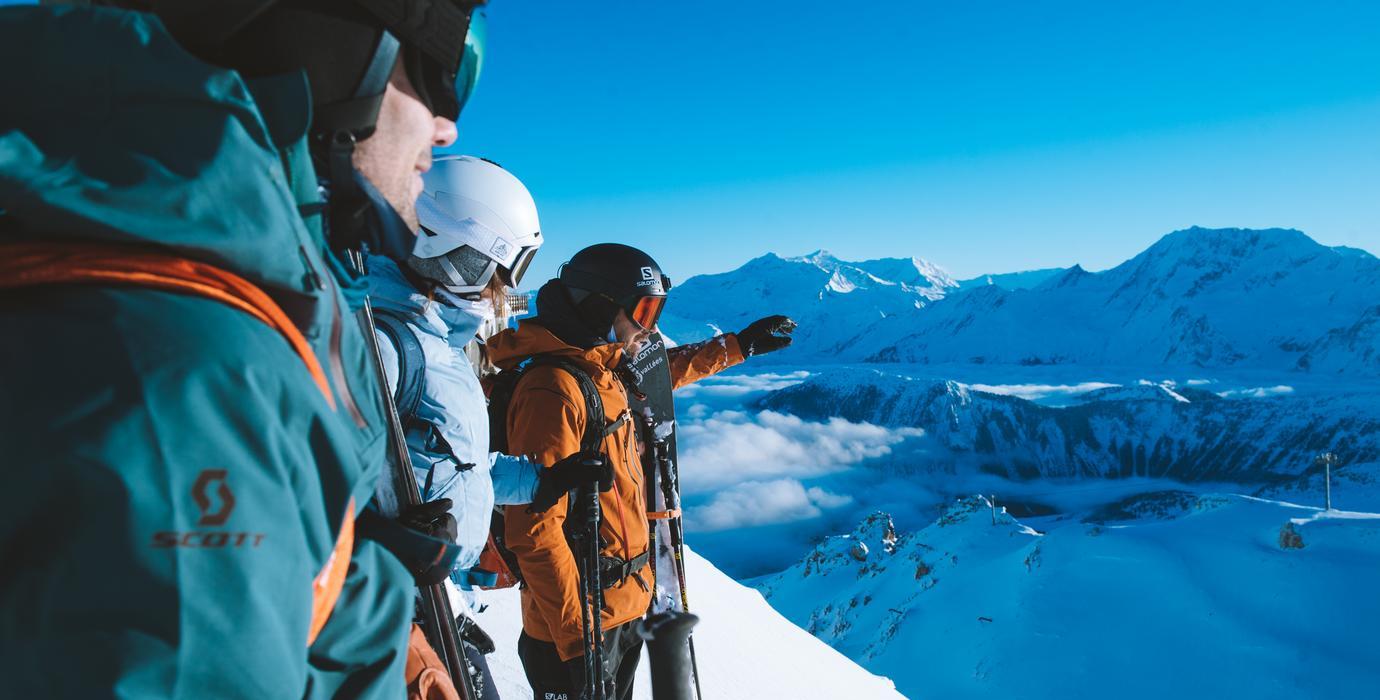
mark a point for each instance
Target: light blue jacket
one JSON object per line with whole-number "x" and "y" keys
{"x": 453, "y": 402}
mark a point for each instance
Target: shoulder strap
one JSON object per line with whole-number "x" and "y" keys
{"x": 596, "y": 426}
{"x": 411, "y": 361}
{"x": 31, "y": 264}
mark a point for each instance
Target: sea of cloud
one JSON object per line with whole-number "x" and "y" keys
{"x": 755, "y": 503}
{"x": 1259, "y": 392}
{"x": 728, "y": 448}
{"x": 1037, "y": 392}
{"x": 739, "y": 385}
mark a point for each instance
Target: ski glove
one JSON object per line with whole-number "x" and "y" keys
{"x": 432, "y": 518}
{"x": 573, "y": 471}
{"x": 766, "y": 335}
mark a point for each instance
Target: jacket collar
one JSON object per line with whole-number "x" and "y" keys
{"x": 512, "y": 347}
{"x": 459, "y": 320}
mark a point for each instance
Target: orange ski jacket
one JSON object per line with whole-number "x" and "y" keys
{"x": 546, "y": 420}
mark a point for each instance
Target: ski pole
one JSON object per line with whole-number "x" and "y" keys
{"x": 438, "y": 620}
{"x": 586, "y": 500}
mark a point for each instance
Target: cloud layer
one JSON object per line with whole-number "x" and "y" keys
{"x": 1035, "y": 392}
{"x": 763, "y": 503}
{"x": 737, "y": 385}
{"x": 1259, "y": 392}
{"x": 732, "y": 447}
{"x": 750, "y": 469}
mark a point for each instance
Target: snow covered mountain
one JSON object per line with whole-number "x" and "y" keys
{"x": 1270, "y": 299}
{"x": 1173, "y": 594}
{"x": 826, "y": 295}
{"x": 1231, "y": 297}
{"x": 1142, "y": 430}
{"x": 745, "y": 649}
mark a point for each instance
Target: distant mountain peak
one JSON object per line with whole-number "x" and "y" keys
{"x": 821, "y": 257}
{"x": 1067, "y": 278}
{"x": 1232, "y": 241}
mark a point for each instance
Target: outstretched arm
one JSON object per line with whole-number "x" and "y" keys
{"x": 693, "y": 362}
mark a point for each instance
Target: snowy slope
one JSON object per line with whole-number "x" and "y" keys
{"x": 746, "y": 650}
{"x": 1142, "y": 430}
{"x": 1171, "y": 595}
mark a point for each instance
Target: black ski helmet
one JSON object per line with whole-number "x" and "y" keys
{"x": 621, "y": 275}
{"x": 347, "y": 48}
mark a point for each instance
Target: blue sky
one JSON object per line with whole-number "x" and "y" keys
{"x": 984, "y": 136}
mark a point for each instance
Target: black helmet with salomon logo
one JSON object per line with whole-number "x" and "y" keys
{"x": 623, "y": 275}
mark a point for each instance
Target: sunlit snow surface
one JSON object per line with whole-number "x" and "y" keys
{"x": 746, "y": 650}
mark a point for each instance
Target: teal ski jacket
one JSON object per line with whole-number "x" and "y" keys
{"x": 175, "y": 482}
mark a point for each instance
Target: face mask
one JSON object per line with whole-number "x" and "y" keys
{"x": 463, "y": 314}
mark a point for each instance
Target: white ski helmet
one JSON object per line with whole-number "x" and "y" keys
{"x": 477, "y": 220}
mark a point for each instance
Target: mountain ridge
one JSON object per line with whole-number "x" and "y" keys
{"x": 1257, "y": 298}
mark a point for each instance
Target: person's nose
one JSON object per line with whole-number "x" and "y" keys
{"x": 443, "y": 132}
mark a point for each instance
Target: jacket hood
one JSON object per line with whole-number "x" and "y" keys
{"x": 513, "y": 346}
{"x": 558, "y": 313}
{"x": 112, "y": 132}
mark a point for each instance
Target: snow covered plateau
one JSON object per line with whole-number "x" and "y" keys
{"x": 1057, "y": 483}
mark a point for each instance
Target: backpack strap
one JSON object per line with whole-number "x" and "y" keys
{"x": 411, "y": 388}
{"x": 411, "y": 362}
{"x": 596, "y": 427}
{"x": 31, "y": 264}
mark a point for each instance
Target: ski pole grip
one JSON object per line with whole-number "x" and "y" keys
{"x": 584, "y": 508}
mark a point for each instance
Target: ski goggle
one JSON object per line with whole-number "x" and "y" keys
{"x": 467, "y": 77}
{"x": 647, "y": 310}
{"x": 520, "y": 264}
{"x": 443, "y": 92}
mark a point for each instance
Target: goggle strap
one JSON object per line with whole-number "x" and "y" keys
{"x": 359, "y": 114}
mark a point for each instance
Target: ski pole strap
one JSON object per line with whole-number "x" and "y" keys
{"x": 468, "y": 579}
{"x": 613, "y": 571}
